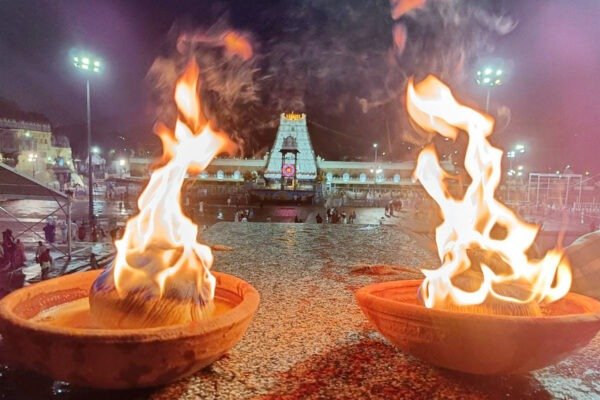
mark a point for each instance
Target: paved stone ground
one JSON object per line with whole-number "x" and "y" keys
{"x": 309, "y": 339}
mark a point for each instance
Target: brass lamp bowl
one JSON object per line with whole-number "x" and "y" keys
{"x": 479, "y": 343}
{"x": 112, "y": 358}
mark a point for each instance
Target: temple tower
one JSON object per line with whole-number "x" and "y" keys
{"x": 292, "y": 158}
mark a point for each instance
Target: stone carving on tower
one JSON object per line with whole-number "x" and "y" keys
{"x": 292, "y": 154}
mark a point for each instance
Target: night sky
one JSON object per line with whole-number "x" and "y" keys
{"x": 335, "y": 60}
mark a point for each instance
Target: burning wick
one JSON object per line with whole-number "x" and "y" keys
{"x": 480, "y": 271}
{"x": 161, "y": 275}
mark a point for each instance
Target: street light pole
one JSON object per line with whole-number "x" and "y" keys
{"x": 90, "y": 164}
{"x": 33, "y": 160}
{"x": 375, "y": 147}
{"x": 89, "y": 65}
{"x": 375, "y": 163}
{"x": 489, "y": 77}
{"x": 510, "y": 155}
{"x": 518, "y": 149}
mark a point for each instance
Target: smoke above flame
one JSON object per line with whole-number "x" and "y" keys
{"x": 468, "y": 222}
{"x": 350, "y": 58}
{"x": 159, "y": 250}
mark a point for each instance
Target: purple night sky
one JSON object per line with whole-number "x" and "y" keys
{"x": 552, "y": 90}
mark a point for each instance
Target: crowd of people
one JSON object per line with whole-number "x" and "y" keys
{"x": 336, "y": 216}
{"x": 393, "y": 206}
{"x": 79, "y": 231}
{"x": 13, "y": 256}
{"x": 243, "y": 215}
{"x": 12, "y": 253}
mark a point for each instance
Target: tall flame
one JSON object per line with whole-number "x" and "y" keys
{"x": 159, "y": 244}
{"x": 468, "y": 222}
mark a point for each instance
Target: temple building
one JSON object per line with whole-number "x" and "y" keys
{"x": 292, "y": 169}
{"x": 32, "y": 149}
{"x": 292, "y": 156}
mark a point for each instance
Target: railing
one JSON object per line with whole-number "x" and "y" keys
{"x": 593, "y": 207}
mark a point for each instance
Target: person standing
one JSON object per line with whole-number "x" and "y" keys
{"x": 9, "y": 253}
{"x": 81, "y": 232}
{"x": 39, "y": 250}
{"x": 74, "y": 229}
{"x": 93, "y": 261}
{"x": 47, "y": 228}
{"x": 19, "y": 257}
{"x": 8, "y": 246}
{"x": 52, "y": 235}
{"x": 46, "y": 263}
{"x": 113, "y": 233}
{"x": 7, "y": 237}
{"x": 62, "y": 226}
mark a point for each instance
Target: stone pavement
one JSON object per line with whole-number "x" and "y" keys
{"x": 309, "y": 339}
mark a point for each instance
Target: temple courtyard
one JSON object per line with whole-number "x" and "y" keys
{"x": 310, "y": 340}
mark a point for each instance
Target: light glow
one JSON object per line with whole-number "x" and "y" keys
{"x": 468, "y": 222}
{"x": 159, "y": 246}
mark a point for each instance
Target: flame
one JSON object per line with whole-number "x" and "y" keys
{"x": 468, "y": 222}
{"x": 159, "y": 244}
{"x": 238, "y": 44}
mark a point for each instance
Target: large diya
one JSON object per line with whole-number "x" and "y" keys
{"x": 48, "y": 328}
{"x": 489, "y": 308}
{"x": 158, "y": 313}
{"x": 475, "y": 342}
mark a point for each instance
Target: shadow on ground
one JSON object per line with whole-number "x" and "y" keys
{"x": 375, "y": 370}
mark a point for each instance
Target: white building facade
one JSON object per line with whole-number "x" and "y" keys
{"x": 32, "y": 149}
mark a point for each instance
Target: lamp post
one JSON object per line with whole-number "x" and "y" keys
{"x": 375, "y": 163}
{"x": 375, "y": 147}
{"x": 511, "y": 154}
{"x": 33, "y": 160}
{"x": 518, "y": 149}
{"x": 90, "y": 65}
{"x": 122, "y": 164}
{"x": 489, "y": 76}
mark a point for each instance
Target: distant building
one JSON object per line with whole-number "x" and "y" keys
{"x": 32, "y": 149}
{"x": 292, "y": 165}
